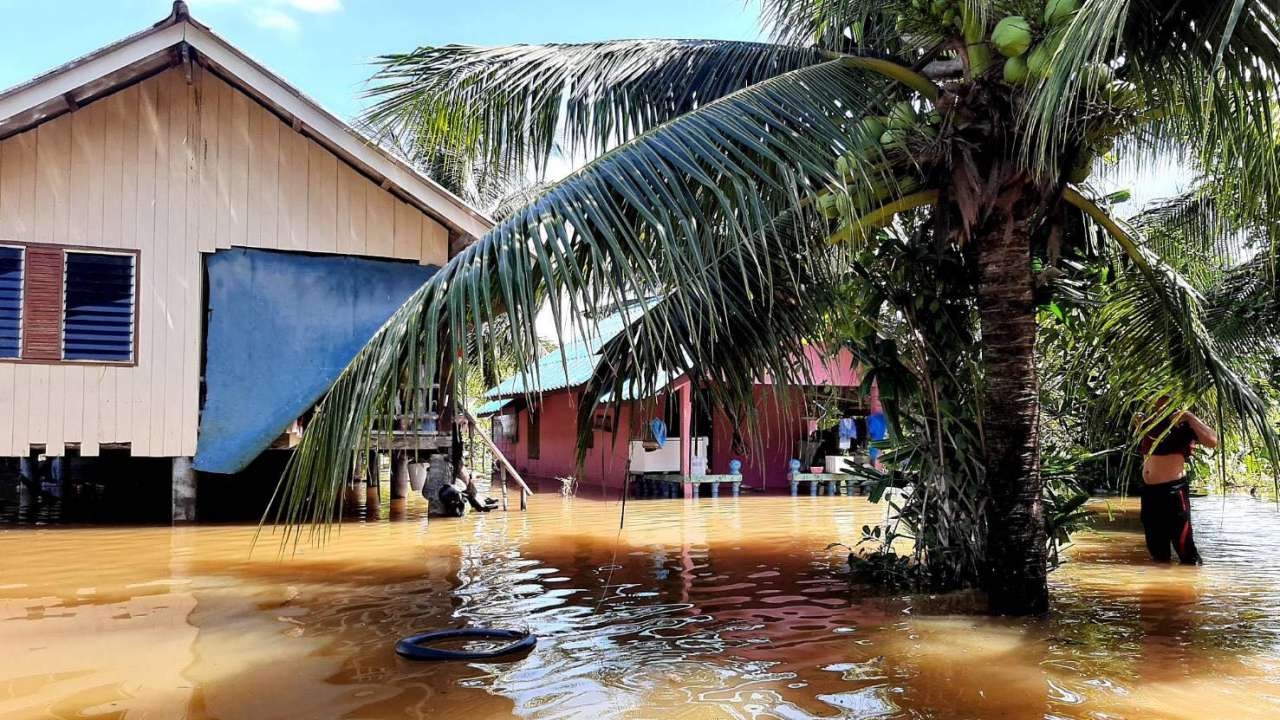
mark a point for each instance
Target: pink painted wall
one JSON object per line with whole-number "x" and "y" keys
{"x": 558, "y": 423}
{"x": 764, "y": 462}
{"x": 838, "y": 370}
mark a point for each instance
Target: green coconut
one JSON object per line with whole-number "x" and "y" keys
{"x": 892, "y": 136}
{"x": 1057, "y": 11}
{"x": 1122, "y": 94}
{"x": 903, "y": 115}
{"x": 870, "y": 129}
{"x": 1012, "y": 36}
{"x": 1038, "y": 61}
{"x": 1015, "y": 70}
{"x": 1096, "y": 76}
{"x": 829, "y": 205}
{"x": 1083, "y": 168}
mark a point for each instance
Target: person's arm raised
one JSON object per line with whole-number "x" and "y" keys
{"x": 1204, "y": 434}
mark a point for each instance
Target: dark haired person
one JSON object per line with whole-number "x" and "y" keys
{"x": 1166, "y": 502}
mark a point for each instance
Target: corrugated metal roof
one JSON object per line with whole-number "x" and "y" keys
{"x": 568, "y": 367}
{"x": 492, "y": 407}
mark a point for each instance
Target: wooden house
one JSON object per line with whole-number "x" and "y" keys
{"x": 191, "y": 250}
{"x": 535, "y": 422}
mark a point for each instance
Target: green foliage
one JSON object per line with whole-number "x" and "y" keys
{"x": 742, "y": 187}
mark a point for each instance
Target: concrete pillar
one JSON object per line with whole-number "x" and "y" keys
{"x": 184, "y": 490}
{"x": 439, "y": 474}
{"x": 399, "y": 475}
{"x": 28, "y": 483}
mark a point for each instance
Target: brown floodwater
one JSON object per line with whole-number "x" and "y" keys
{"x": 714, "y": 608}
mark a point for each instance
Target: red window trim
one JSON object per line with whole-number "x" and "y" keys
{"x": 46, "y": 323}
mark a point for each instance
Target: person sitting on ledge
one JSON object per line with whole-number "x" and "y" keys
{"x": 455, "y": 501}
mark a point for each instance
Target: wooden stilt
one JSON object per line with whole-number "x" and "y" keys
{"x": 502, "y": 478}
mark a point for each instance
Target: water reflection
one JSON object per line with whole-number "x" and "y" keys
{"x": 726, "y": 608}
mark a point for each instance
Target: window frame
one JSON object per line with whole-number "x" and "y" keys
{"x": 533, "y": 434}
{"x": 22, "y": 298}
{"x": 62, "y": 299}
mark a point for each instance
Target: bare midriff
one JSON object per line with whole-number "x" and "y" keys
{"x": 1157, "y": 469}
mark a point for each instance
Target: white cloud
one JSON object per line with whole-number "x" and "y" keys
{"x": 315, "y": 6}
{"x": 277, "y": 15}
{"x": 273, "y": 19}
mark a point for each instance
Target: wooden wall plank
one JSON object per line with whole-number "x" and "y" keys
{"x": 380, "y": 221}
{"x": 292, "y": 192}
{"x": 38, "y": 403}
{"x": 264, "y": 177}
{"x": 178, "y": 285}
{"x": 26, "y": 225}
{"x": 89, "y": 410}
{"x": 238, "y": 171}
{"x": 322, "y": 199}
{"x": 71, "y": 380}
{"x": 435, "y": 243}
{"x": 225, "y": 163}
{"x": 192, "y": 284}
{"x": 112, "y": 168}
{"x": 10, "y": 189}
{"x": 22, "y": 431}
{"x": 8, "y": 448}
{"x": 350, "y": 212}
{"x": 408, "y": 230}
{"x": 207, "y": 98}
{"x": 53, "y": 170}
{"x": 124, "y": 377}
{"x": 149, "y": 301}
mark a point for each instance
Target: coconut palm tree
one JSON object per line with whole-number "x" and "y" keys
{"x": 720, "y": 168}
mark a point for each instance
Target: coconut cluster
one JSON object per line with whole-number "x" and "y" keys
{"x": 1028, "y": 50}
{"x": 943, "y": 14}
{"x": 1015, "y": 39}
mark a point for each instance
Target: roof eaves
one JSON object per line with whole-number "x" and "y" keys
{"x": 59, "y": 90}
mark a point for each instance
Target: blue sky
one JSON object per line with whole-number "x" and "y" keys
{"x": 323, "y": 46}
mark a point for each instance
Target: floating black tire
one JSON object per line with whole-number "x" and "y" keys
{"x": 417, "y": 647}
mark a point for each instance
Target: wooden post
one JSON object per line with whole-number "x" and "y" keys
{"x": 686, "y": 439}
{"x": 502, "y": 478}
{"x": 524, "y": 489}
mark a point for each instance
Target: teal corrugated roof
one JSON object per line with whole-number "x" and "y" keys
{"x": 491, "y": 407}
{"x": 568, "y": 367}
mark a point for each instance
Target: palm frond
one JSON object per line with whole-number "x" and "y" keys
{"x": 676, "y": 213}
{"x": 1203, "y": 75}
{"x": 1156, "y": 337}
{"x": 755, "y": 320}
{"x": 511, "y": 105}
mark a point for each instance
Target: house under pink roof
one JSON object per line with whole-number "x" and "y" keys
{"x": 535, "y": 424}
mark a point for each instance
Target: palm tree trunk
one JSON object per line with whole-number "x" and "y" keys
{"x": 1016, "y": 570}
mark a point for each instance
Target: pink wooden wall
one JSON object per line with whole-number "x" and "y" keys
{"x": 558, "y": 424}
{"x": 764, "y": 462}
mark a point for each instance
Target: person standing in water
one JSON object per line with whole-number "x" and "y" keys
{"x": 1166, "y": 502}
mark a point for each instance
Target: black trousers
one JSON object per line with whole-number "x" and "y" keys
{"x": 1166, "y": 519}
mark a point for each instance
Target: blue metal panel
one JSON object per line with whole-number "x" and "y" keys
{"x": 11, "y": 259}
{"x": 98, "y": 318}
{"x": 282, "y": 326}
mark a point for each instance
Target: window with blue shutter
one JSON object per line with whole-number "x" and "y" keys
{"x": 99, "y": 309}
{"x": 11, "y": 273}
